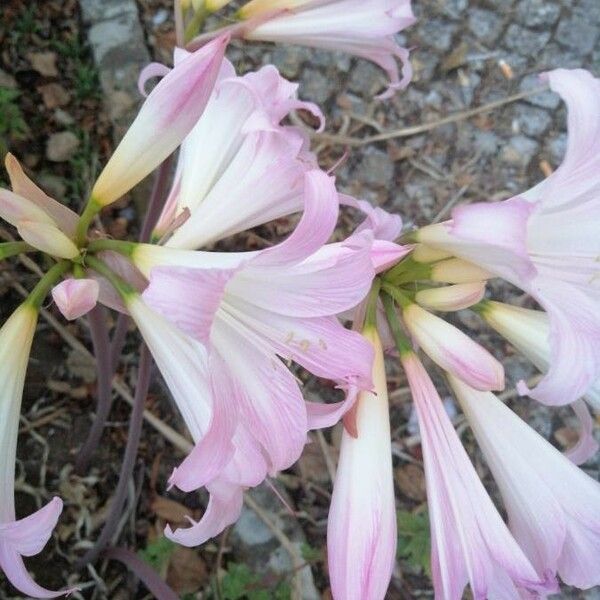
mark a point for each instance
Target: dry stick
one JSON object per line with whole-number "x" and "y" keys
{"x": 423, "y": 127}
{"x": 101, "y": 343}
{"x": 133, "y": 439}
{"x": 144, "y": 571}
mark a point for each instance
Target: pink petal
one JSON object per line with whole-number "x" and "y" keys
{"x": 75, "y": 297}
{"x": 151, "y": 71}
{"x": 384, "y": 225}
{"x": 167, "y": 116}
{"x": 322, "y": 415}
{"x": 224, "y": 508}
{"x": 586, "y": 446}
{"x": 386, "y": 254}
{"x": 15, "y": 209}
{"x": 63, "y": 216}
{"x": 361, "y": 527}
{"x": 470, "y": 542}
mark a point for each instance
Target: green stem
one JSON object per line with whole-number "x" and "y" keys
{"x": 125, "y": 289}
{"x": 120, "y": 246}
{"x": 371, "y": 312}
{"x": 400, "y": 297}
{"x": 193, "y": 27}
{"x": 46, "y": 283}
{"x": 407, "y": 271}
{"x": 8, "y": 249}
{"x": 91, "y": 210}
{"x": 480, "y": 307}
{"x": 402, "y": 342}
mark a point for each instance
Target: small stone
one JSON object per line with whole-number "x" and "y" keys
{"x": 44, "y": 63}
{"x": 60, "y": 147}
{"x": 557, "y": 147}
{"x": 316, "y": 86}
{"x": 524, "y": 41}
{"x": 7, "y": 81}
{"x": 502, "y": 5}
{"x": 532, "y": 121}
{"x": 455, "y": 8}
{"x": 545, "y": 99}
{"x": 577, "y": 34}
{"x": 287, "y": 60}
{"x": 160, "y": 17}
{"x": 485, "y": 25}
{"x": 437, "y": 33}
{"x": 519, "y": 151}
{"x": 62, "y": 117}
{"x": 366, "y": 79}
{"x": 486, "y": 142}
{"x": 537, "y": 13}
{"x": 555, "y": 56}
{"x": 376, "y": 168}
{"x": 54, "y": 95}
{"x": 589, "y": 9}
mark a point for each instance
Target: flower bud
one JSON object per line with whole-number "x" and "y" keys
{"x": 456, "y": 270}
{"x": 75, "y": 297}
{"x": 48, "y": 238}
{"x": 451, "y": 297}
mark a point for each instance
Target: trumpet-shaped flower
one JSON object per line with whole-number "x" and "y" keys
{"x": 29, "y": 535}
{"x": 168, "y": 115}
{"x": 452, "y": 350}
{"x": 470, "y": 541}
{"x": 361, "y": 528}
{"x": 451, "y": 297}
{"x": 248, "y": 150}
{"x": 75, "y": 297}
{"x": 365, "y": 29}
{"x": 546, "y": 241}
{"x": 277, "y": 303}
{"x": 552, "y": 505}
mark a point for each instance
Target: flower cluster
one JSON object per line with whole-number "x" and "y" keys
{"x": 223, "y": 327}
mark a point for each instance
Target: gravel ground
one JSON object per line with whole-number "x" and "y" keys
{"x": 466, "y": 55}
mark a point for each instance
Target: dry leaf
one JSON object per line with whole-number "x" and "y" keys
{"x": 170, "y": 510}
{"x": 54, "y": 95}
{"x": 456, "y": 58}
{"x": 411, "y": 481}
{"x": 187, "y": 571}
{"x": 44, "y": 63}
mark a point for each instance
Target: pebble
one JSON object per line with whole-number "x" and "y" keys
{"x": 486, "y": 25}
{"x": 537, "y": 13}
{"x": 531, "y": 120}
{"x": 546, "y": 99}
{"x": 524, "y": 41}
{"x": 316, "y": 87}
{"x": 60, "y": 147}
{"x": 577, "y": 34}
{"x": 376, "y": 168}
{"x": 436, "y": 33}
{"x": 519, "y": 151}
{"x": 557, "y": 147}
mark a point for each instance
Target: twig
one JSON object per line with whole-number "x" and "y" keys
{"x": 101, "y": 343}
{"x": 423, "y": 127}
{"x": 326, "y": 454}
{"x": 133, "y": 439}
{"x": 297, "y": 562}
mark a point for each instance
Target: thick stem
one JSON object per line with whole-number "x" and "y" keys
{"x": 145, "y": 572}
{"x": 371, "y": 312}
{"x": 101, "y": 343}
{"x": 133, "y": 440}
{"x": 125, "y": 289}
{"x": 117, "y": 342}
{"x": 157, "y": 199}
{"x": 46, "y": 283}
{"x": 91, "y": 210}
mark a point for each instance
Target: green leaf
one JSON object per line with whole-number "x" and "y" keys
{"x": 12, "y": 123}
{"x": 310, "y": 554}
{"x": 414, "y": 540}
{"x": 240, "y": 583}
{"x": 158, "y": 553}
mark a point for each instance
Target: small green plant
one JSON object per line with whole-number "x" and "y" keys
{"x": 26, "y": 23}
{"x": 12, "y": 123}
{"x": 158, "y": 553}
{"x": 414, "y": 540}
{"x": 239, "y": 583}
{"x": 86, "y": 83}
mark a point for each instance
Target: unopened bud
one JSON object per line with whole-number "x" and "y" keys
{"x": 457, "y": 270}
{"x": 451, "y": 297}
{"x": 48, "y": 238}
{"x": 75, "y": 297}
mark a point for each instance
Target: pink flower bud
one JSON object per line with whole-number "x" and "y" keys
{"x": 75, "y": 297}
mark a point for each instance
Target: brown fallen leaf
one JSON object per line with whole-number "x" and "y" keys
{"x": 411, "y": 481}
{"x": 186, "y": 572}
{"x": 54, "y": 95}
{"x": 170, "y": 510}
{"x": 44, "y": 63}
{"x": 456, "y": 58}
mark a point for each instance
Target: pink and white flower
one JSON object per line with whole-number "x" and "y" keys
{"x": 547, "y": 242}
{"x": 552, "y": 505}
{"x": 470, "y": 541}
{"x": 167, "y": 116}
{"x": 361, "y": 528}
{"x": 365, "y": 29}
{"x": 28, "y": 535}
{"x": 248, "y": 150}
{"x": 249, "y": 311}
